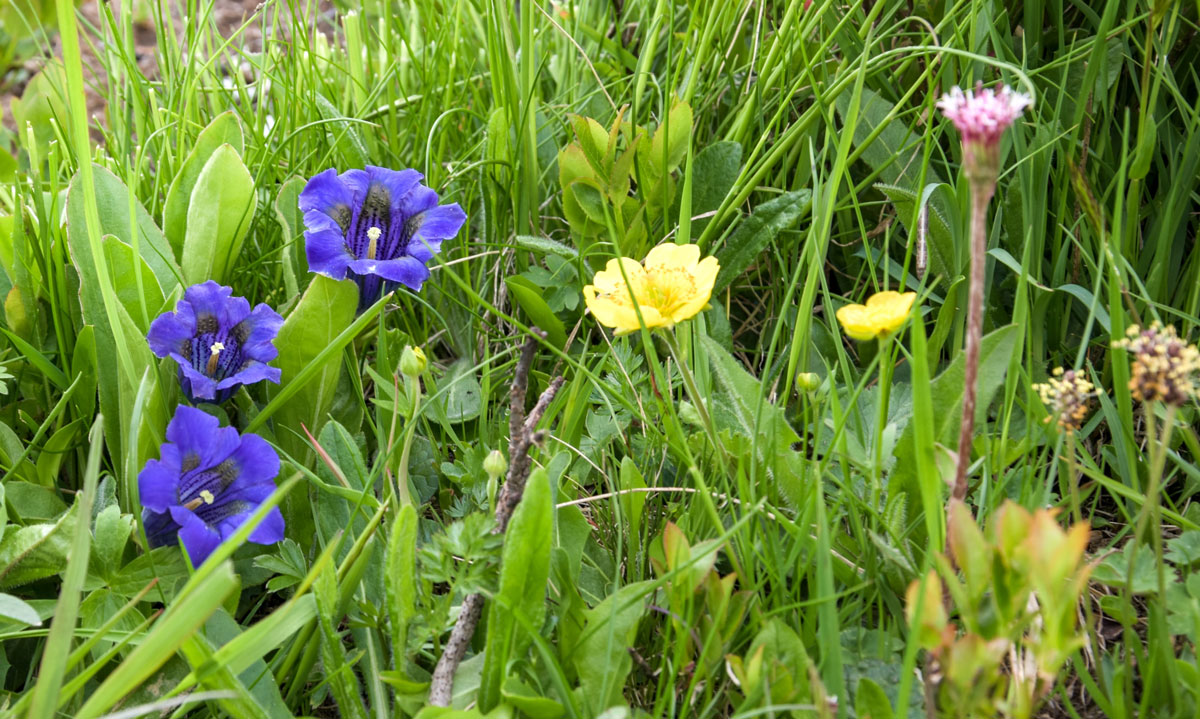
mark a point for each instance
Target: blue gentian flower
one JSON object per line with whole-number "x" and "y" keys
{"x": 377, "y": 225}
{"x": 208, "y": 481}
{"x": 218, "y": 341}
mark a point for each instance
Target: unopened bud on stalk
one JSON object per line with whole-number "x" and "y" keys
{"x": 413, "y": 362}
{"x": 495, "y": 464}
{"x": 807, "y": 382}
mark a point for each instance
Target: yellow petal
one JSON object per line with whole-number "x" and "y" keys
{"x": 673, "y": 256}
{"x": 705, "y": 275}
{"x": 857, "y": 322}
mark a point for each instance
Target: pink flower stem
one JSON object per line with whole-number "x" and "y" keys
{"x": 981, "y": 196}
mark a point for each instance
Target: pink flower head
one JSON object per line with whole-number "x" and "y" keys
{"x": 981, "y": 116}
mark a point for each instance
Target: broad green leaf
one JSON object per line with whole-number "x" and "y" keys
{"x": 945, "y": 401}
{"x": 112, "y": 533}
{"x": 939, "y": 238}
{"x": 602, "y": 659}
{"x": 142, "y": 305}
{"x": 32, "y": 503}
{"x": 219, "y": 214}
{"x": 714, "y": 172}
{"x": 530, "y": 702}
{"x": 529, "y": 297}
{"x": 524, "y": 572}
{"x": 461, "y": 397}
{"x": 112, "y": 198}
{"x": 325, "y": 309}
{"x": 35, "y": 552}
{"x": 16, "y": 610}
{"x": 894, "y": 152}
{"x": 756, "y": 232}
{"x": 546, "y": 246}
{"x": 291, "y": 221}
{"x": 225, "y": 129}
{"x": 750, "y": 415}
{"x": 670, "y": 142}
{"x": 402, "y": 577}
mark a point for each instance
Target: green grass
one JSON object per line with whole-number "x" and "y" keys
{"x": 814, "y": 148}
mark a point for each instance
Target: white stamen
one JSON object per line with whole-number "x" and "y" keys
{"x": 216, "y": 348}
{"x": 374, "y": 233}
{"x": 207, "y": 496}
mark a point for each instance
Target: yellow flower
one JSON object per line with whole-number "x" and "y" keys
{"x": 672, "y": 285}
{"x": 882, "y": 315}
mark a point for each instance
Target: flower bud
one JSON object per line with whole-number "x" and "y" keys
{"x": 412, "y": 361}
{"x": 495, "y": 464}
{"x": 808, "y": 382}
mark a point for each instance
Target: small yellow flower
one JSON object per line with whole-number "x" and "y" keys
{"x": 672, "y": 285}
{"x": 881, "y": 316}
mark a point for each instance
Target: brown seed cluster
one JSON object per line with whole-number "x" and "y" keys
{"x": 1164, "y": 366}
{"x": 1067, "y": 394}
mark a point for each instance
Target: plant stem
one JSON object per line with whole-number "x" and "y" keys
{"x": 981, "y": 195}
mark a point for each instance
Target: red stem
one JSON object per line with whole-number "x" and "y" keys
{"x": 981, "y": 195}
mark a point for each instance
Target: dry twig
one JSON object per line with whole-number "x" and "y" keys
{"x": 522, "y": 438}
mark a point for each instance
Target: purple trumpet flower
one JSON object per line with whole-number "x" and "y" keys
{"x": 206, "y": 484}
{"x": 218, "y": 341}
{"x": 376, "y": 225}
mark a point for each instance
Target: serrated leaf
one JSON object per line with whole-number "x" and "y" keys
{"x": 755, "y": 232}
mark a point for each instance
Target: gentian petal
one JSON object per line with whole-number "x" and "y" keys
{"x": 198, "y": 538}
{"x": 408, "y": 271}
{"x": 432, "y": 226}
{"x": 171, "y": 331}
{"x": 264, "y": 324}
{"x": 158, "y": 485}
{"x": 256, "y": 372}
{"x": 324, "y": 192}
{"x": 161, "y": 528}
{"x": 398, "y": 183}
{"x": 325, "y": 246}
{"x": 195, "y": 431}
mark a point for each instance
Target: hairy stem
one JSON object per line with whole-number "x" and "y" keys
{"x": 981, "y": 195}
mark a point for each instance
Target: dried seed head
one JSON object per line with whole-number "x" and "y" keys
{"x": 1067, "y": 394}
{"x": 1164, "y": 366}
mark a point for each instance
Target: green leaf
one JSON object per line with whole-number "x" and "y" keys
{"x": 16, "y": 610}
{"x": 324, "y": 310}
{"x": 602, "y": 659}
{"x": 291, "y": 221}
{"x": 35, "y": 552}
{"x": 218, "y": 217}
{"x": 939, "y": 238}
{"x": 461, "y": 396}
{"x": 670, "y": 142}
{"x": 112, "y": 533}
{"x": 529, "y": 297}
{"x": 402, "y": 577}
{"x": 748, "y": 413}
{"x": 546, "y": 246}
{"x": 1114, "y": 570}
{"x": 142, "y": 305}
{"x": 714, "y": 172}
{"x": 524, "y": 572}
{"x": 223, "y": 130}
{"x": 756, "y": 232}
{"x": 112, "y": 199}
